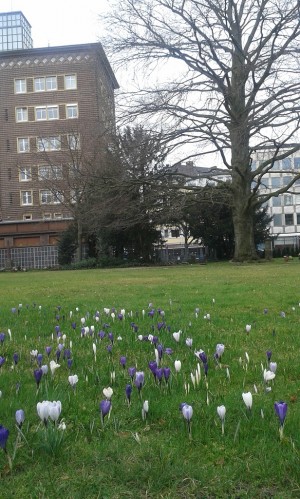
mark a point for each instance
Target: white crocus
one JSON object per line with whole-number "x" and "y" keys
{"x": 54, "y": 410}
{"x": 53, "y": 366}
{"x": 157, "y": 356}
{"x": 34, "y": 353}
{"x": 268, "y": 375}
{"x": 82, "y": 320}
{"x": 43, "y": 410}
{"x": 247, "y": 398}
{"x": 44, "y": 369}
{"x": 113, "y": 316}
{"x": 177, "y": 365}
{"x": 176, "y": 336}
{"x": 106, "y": 311}
{"x": 95, "y": 351}
{"x": 221, "y": 410}
{"x": 73, "y": 380}
{"x": 193, "y": 379}
{"x": 145, "y": 409}
{"x": 273, "y": 367}
{"x": 108, "y": 392}
{"x": 248, "y": 328}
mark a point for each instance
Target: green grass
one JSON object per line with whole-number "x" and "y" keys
{"x": 129, "y": 457}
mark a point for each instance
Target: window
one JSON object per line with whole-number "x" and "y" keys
{"x": 26, "y": 198}
{"x": 288, "y": 200}
{"x": 277, "y": 201}
{"x": 51, "y": 83}
{"x": 297, "y": 198}
{"x": 47, "y": 216}
{"x": 48, "y": 143}
{"x": 21, "y": 114}
{"x": 46, "y": 113}
{"x": 39, "y": 84}
{"x": 174, "y": 232}
{"x": 296, "y": 163}
{"x": 20, "y": 86}
{"x": 49, "y": 197}
{"x": 25, "y": 174}
{"x": 27, "y": 216}
{"x": 277, "y": 220}
{"x": 289, "y": 219}
{"x": 298, "y": 218}
{"x": 71, "y": 111}
{"x": 286, "y": 164}
{"x": 73, "y": 141}
{"x": 275, "y": 182}
{"x": 166, "y": 233}
{"x": 287, "y": 180}
{"x": 58, "y": 216}
{"x": 23, "y": 144}
{"x": 47, "y": 172}
{"x": 70, "y": 82}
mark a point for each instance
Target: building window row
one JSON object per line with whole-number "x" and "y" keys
{"x": 288, "y": 219}
{"x": 292, "y": 163}
{"x": 45, "y": 172}
{"x": 46, "y": 216}
{"x": 45, "y": 83}
{"x": 46, "y": 144}
{"x": 45, "y": 197}
{"x": 46, "y": 113}
{"x": 285, "y": 200}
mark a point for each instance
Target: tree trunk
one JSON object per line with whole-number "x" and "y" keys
{"x": 244, "y": 249}
{"x": 79, "y": 241}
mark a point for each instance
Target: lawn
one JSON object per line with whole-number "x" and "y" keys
{"x": 97, "y": 324}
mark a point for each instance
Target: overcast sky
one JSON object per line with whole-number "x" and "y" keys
{"x": 60, "y": 22}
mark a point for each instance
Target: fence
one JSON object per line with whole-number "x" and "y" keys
{"x": 29, "y": 258}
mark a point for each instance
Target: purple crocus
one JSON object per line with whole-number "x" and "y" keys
{"x": 2, "y": 337}
{"x": 73, "y": 325}
{"x": 159, "y": 372}
{"x": 281, "y": 410}
{"x": 67, "y": 353}
{"x": 203, "y": 357}
{"x": 2, "y": 361}
{"x": 168, "y": 351}
{"x": 38, "y": 373}
{"x": 123, "y": 361}
{"x": 48, "y": 350}
{"x": 109, "y": 348}
{"x": 16, "y": 358}
{"x": 160, "y": 351}
{"x": 57, "y": 353}
{"x": 139, "y": 380}
{"x": 105, "y": 406}
{"x": 101, "y": 335}
{"x": 111, "y": 337}
{"x": 153, "y": 366}
{"x": 131, "y": 371}
{"x": 167, "y": 372}
{"x": 20, "y": 417}
{"x": 128, "y": 390}
{"x": 39, "y": 359}
{"x": 269, "y": 355}
{"x": 4, "y": 432}
{"x": 69, "y": 363}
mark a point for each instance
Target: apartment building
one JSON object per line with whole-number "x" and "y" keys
{"x": 284, "y": 208}
{"x": 57, "y": 105}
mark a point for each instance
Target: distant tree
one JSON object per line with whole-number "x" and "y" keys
{"x": 235, "y": 89}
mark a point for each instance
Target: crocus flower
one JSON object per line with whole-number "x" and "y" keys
{"x": 247, "y": 398}
{"x": 159, "y": 372}
{"x": 176, "y": 336}
{"x": 269, "y": 355}
{"x": 131, "y": 371}
{"x": 281, "y": 410}
{"x": 53, "y": 366}
{"x": 220, "y": 350}
{"x": 2, "y": 337}
{"x": 48, "y": 350}
{"x": 273, "y": 367}
{"x": 43, "y": 410}
{"x": 108, "y": 392}
{"x": 105, "y": 407}
{"x": 4, "y": 432}
{"x": 20, "y": 417}
{"x": 2, "y": 361}
{"x": 177, "y": 365}
{"x": 145, "y": 409}
{"x": 187, "y": 412}
{"x": 168, "y": 351}
{"x": 54, "y": 410}
{"x": 139, "y": 380}
{"x": 221, "y": 410}
{"x": 16, "y": 358}
{"x": 123, "y": 361}
{"x": 73, "y": 380}
{"x": 189, "y": 342}
{"x": 268, "y": 375}
{"x": 38, "y": 373}
{"x": 44, "y": 369}
{"x": 167, "y": 372}
{"x": 128, "y": 390}
{"x": 248, "y": 328}
{"x": 39, "y": 359}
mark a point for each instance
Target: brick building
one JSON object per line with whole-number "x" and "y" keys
{"x": 57, "y": 105}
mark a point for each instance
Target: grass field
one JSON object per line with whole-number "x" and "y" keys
{"x": 155, "y": 456}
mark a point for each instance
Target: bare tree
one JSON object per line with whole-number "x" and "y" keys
{"x": 235, "y": 88}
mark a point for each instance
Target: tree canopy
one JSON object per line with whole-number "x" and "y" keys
{"x": 235, "y": 89}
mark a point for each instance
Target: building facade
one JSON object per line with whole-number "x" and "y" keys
{"x": 284, "y": 208}
{"x": 57, "y": 105}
